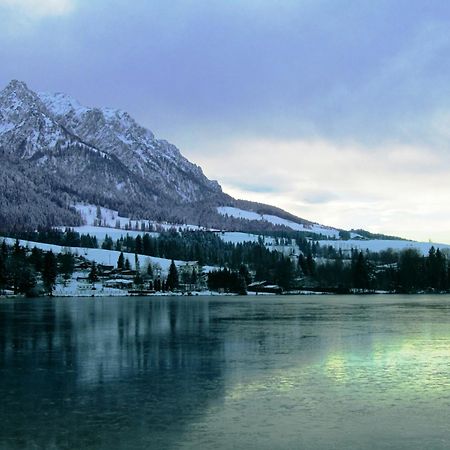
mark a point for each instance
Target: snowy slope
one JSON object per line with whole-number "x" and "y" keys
{"x": 379, "y": 245}
{"x": 236, "y": 237}
{"x": 108, "y": 257}
{"x": 101, "y": 232}
{"x": 110, "y": 218}
{"x": 250, "y": 215}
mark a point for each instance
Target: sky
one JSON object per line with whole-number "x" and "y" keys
{"x": 337, "y": 111}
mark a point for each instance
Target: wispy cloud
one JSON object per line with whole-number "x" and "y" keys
{"x": 396, "y": 189}
{"x": 38, "y": 8}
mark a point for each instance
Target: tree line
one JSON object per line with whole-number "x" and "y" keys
{"x": 317, "y": 267}
{"x": 20, "y": 270}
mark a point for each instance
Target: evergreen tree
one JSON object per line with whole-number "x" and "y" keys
{"x": 127, "y": 265}
{"x": 120, "y": 261}
{"x": 303, "y": 264}
{"x": 66, "y": 265}
{"x": 138, "y": 277}
{"x": 194, "y": 277}
{"x": 432, "y": 269}
{"x": 146, "y": 245}
{"x": 245, "y": 274}
{"x": 441, "y": 269}
{"x": 284, "y": 273}
{"x": 93, "y": 274}
{"x": 150, "y": 270}
{"x": 360, "y": 272}
{"x": 410, "y": 271}
{"x": 138, "y": 244}
{"x": 36, "y": 259}
{"x": 2, "y": 272}
{"x": 310, "y": 264}
{"x": 27, "y": 281}
{"x": 242, "y": 285}
{"x": 49, "y": 272}
{"x": 172, "y": 278}
{"x": 108, "y": 243}
{"x": 4, "y": 250}
{"x": 17, "y": 265}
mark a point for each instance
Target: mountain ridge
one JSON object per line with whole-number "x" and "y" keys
{"x": 103, "y": 156}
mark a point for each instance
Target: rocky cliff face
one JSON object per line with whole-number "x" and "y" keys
{"x": 98, "y": 155}
{"x": 55, "y": 151}
{"x": 116, "y": 133}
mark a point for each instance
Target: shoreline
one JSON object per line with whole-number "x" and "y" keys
{"x": 227, "y": 294}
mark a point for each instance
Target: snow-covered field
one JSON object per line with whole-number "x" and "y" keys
{"x": 376, "y": 245}
{"x": 107, "y": 257}
{"x": 250, "y": 215}
{"x": 91, "y": 215}
{"x": 114, "y": 233}
{"x": 236, "y": 237}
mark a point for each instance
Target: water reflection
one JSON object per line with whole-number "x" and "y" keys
{"x": 103, "y": 374}
{"x": 266, "y": 373}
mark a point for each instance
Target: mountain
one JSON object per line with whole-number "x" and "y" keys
{"x": 55, "y": 152}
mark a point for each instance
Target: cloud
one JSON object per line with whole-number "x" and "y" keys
{"x": 395, "y": 189}
{"x": 259, "y": 188}
{"x": 37, "y": 9}
{"x": 20, "y": 18}
{"x": 318, "y": 197}
{"x": 340, "y": 114}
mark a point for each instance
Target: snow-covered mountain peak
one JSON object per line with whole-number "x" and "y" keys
{"x": 71, "y": 152}
{"x": 27, "y": 127}
{"x": 16, "y": 98}
{"x": 61, "y": 104}
{"x": 56, "y": 130}
{"x": 16, "y": 86}
{"x": 115, "y": 132}
{"x": 70, "y": 111}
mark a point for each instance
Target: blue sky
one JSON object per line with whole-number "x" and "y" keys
{"x": 338, "y": 111}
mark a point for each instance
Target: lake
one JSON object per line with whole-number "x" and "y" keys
{"x": 300, "y": 372}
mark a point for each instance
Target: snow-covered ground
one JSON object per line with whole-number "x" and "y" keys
{"x": 377, "y": 245}
{"x": 236, "y": 237}
{"x": 114, "y": 233}
{"x": 269, "y": 242}
{"x": 111, "y": 218}
{"x": 82, "y": 288}
{"x": 250, "y": 215}
{"x": 107, "y": 257}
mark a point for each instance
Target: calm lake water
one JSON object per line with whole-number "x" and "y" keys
{"x": 328, "y": 372}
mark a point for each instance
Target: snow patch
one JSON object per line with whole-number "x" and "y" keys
{"x": 114, "y": 233}
{"x": 377, "y": 245}
{"x": 105, "y": 217}
{"x": 106, "y": 257}
{"x": 250, "y": 215}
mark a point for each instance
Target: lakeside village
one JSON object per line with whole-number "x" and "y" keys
{"x": 67, "y": 263}
{"x": 35, "y": 272}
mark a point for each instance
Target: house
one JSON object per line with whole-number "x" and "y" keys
{"x": 264, "y": 287}
{"x": 118, "y": 284}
